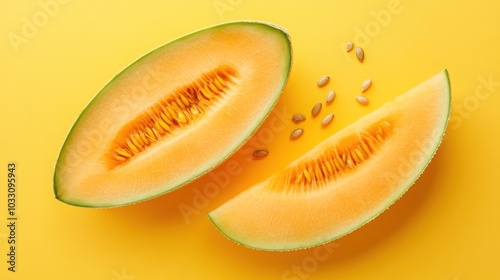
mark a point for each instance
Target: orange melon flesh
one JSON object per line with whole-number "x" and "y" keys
{"x": 387, "y": 151}
{"x": 228, "y": 77}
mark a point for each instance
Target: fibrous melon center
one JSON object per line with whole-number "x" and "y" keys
{"x": 336, "y": 161}
{"x": 176, "y": 111}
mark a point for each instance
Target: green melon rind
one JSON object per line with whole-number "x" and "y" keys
{"x": 412, "y": 181}
{"x": 286, "y": 74}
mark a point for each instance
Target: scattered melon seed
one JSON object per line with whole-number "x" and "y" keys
{"x": 363, "y": 100}
{"x": 296, "y": 133}
{"x": 298, "y": 118}
{"x": 350, "y": 46}
{"x": 323, "y": 81}
{"x": 360, "y": 54}
{"x": 366, "y": 85}
{"x": 260, "y": 153}
{"x": 327, "y": 120}
{"x": 329, "y": 97}
{"x": 316, "y": 109}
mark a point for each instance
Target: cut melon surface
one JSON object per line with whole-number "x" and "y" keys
{"x": 173, "y": 114}
{"x": 346, "y": 180}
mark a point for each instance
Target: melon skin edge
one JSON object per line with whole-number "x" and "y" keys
{"x": 59, "y": 193}
{"x": 232, "y": 218}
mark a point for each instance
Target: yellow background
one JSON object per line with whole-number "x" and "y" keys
{"x": 445, "y": 227}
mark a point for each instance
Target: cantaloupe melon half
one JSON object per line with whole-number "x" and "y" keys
{"x": 346, "y": 180}
{"x": 173, "y": 114}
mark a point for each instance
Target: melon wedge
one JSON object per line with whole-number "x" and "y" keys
{"x": 346, "y": 180}
{"x": 173, "y": 114}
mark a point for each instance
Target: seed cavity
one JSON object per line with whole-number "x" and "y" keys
{"x": 316, "y": 109}
{"x": 296, "y": 133}
{"x": 350, "y": 46}
{"x": 323, "y": 81}
{"x": 171, "y": 114}
{"x": 366, "y": 85}
{"x": 327, "y": 120}
{"x": 363, "y": 100}
{"x": 298, "y": 118}
{"x": 360, "y": 54}
{"x": 258, "y": 154}
{"x": 329, "y": 97}
{"x": 337, "y": 161}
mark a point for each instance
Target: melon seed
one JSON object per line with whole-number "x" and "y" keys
{"x": 298, "y": 118}
{"x": 360, "y": 54}
{"x": 296, "y": 133}
{"x": 366, "y": 85}
{"x": 329, "y": 97}
{"x": 363, "y": 100}
{"x": 327, "y": 120}
{"x": 260, "y": 153}
{"x": 323, "y": 81}
{"x": 350, "y": 46}
{"x": 316, "y": 109}
{"x": 171, "y": 114}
